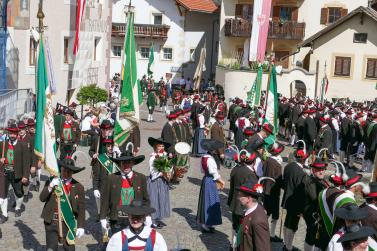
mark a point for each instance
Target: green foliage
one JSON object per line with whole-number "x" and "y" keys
{"x": 91, "y": 95}
{"x": 162, "y": 164}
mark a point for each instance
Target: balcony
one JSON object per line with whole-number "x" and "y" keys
{"x": 142, "y": 30}
{"x": 289, "y": 30}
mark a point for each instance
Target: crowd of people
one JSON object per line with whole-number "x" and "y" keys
{"x": 132, "y": 206}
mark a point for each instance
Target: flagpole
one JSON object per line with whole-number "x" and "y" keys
{"x": 41, "y": 16}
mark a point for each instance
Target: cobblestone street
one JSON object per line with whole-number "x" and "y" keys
{"x": 182, "y": 231}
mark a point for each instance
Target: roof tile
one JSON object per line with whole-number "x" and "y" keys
{"x": 198, "y": 5}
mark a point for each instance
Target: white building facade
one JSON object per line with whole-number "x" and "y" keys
{"x": 90, "y": 66}
{"x": 177, "y": 35}
{"x": 291, "y": 22}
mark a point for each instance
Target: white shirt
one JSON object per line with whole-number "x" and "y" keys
{"x": 153, "y": 171}
{"x": 212, "y": 167}
{"x": 115, "y": 242}
{"x": 129, "y": 175}
{"x": 85, "y": 124}
{"x": 335, "y": 124}
{"x": 258, "y": 167}
{"x": 250, "y": 210}
{"x": 201, "y": 120}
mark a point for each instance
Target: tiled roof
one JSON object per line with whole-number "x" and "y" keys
{"x": 198, "y": 5}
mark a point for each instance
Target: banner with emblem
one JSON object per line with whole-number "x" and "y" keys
{"x": 128, "y": 111}
{"x": 108, "y": 164}
{"x": 45, "y": 144}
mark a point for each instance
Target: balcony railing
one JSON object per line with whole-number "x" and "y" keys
{"x": 142, "y": 30}
{"x": 290, "y": 30}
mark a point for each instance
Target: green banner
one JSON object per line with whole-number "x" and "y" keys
{"x": 139, "y": 92}
{"x": 108, "y": 164}
{"x": 68, "y": 217}
{"x": 272, "y": 107}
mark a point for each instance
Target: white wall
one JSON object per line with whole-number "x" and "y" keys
{"x": 238, "y": 83}
{"x": 60, "y": 18}
{"x": 339, "y": 42}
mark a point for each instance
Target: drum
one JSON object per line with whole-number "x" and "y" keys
{"x": 231, "y": 157}
{"x": 182, "y": 158}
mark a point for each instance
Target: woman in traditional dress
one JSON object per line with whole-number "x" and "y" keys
{"x": 209, "y": 211}
{"x": 197, "y": 150}
{"x": 158, "y": 187}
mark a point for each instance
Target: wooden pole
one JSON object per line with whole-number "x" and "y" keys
{"x": 316, "y": 79}
{"x": 60, "y": 223}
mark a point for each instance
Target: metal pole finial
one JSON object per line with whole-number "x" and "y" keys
{"x": 40, "y": 16}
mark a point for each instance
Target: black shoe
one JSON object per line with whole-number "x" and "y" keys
{"x": 205, "y": 230}
{"x": 17, "y": 213}
{"x": 14, "y": 205}
{"x": 3, "y": 219}
{"x": 276, "y": 239}
{"x": 285, "y": 248}
{"x": 212, "y": 230}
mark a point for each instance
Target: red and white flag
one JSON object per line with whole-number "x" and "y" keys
{"x": 261, "y": 21}
{"x": 80, "y": 8}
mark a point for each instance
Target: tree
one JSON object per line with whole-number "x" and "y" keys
{"x": 91, "y": 95}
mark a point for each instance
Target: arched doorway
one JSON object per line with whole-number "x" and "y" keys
{"x": 298, "y": 88}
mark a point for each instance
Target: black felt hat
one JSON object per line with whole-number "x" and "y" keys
{"x": 153, "y": 141}
{"x": 69, "y": 163}
{"x": 251, "y": 187}
{"x": 137, "y": 208}
{"x": 351, "y": 212}
{"x": 126, "y": 157}
{"x": 356, "y": 232}
{"x": 211, "y": 144}
{"x": 319, "y": 163}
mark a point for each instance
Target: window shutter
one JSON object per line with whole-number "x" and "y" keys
{"x": 276, "y": 13}
{"x": 346, "y": 66}
{"x": 294, "y": 14}
{"x": 238, "y": 10}
{"x": 370, "y": 68}
{"x": 324, "y": 15}
{"x": 338, "y": 66}
{"x": 343, "y": 12}
{"x": 251, "y": 10}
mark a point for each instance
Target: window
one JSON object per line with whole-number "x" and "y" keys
{"x": 334, "y": 14}
{"x": 97, "y": 51}
{"x": 360, "y": 37}
{"x": 371, "y": 68}
{"x": 342, "y": 66}
{"x": 167, "y": 54}
{"x": 144, "y": 52}
{"x": 32, "y": 52}
{"x": 157, "y": 19}
{"x": 117, "y": 50}
{"x": 244, "y": 11}
{"x": 285, "y": 13}
{"x": 279, "y": 55}
{"x": 66, "y": 50}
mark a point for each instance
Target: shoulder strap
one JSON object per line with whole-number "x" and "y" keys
{"x": 153, "y": 237}
{"x": 124, "y": 241}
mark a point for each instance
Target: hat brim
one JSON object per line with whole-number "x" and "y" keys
{"x": 364, "y": 232}
{"x": 138, "y": 211}
{"x": 135, "y": 159}
{"x": 74, "y": 169}
{"x": 16, "y": 129}
{"x": 254, "y": 194}
{"x": 359, "y": 214}
{"x": 211, "y": 144}
{"x": 153, "y": 141}
{"x": 277, "y": 151}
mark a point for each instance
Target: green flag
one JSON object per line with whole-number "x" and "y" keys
{"x": 139, "y": 93}
{"x": 128, "y": 111}
{"x": 272, "y": 106}
{"x": 45, "y": 141}
{"x": 258, "y": 86}
{"x": 151, "y": 61}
